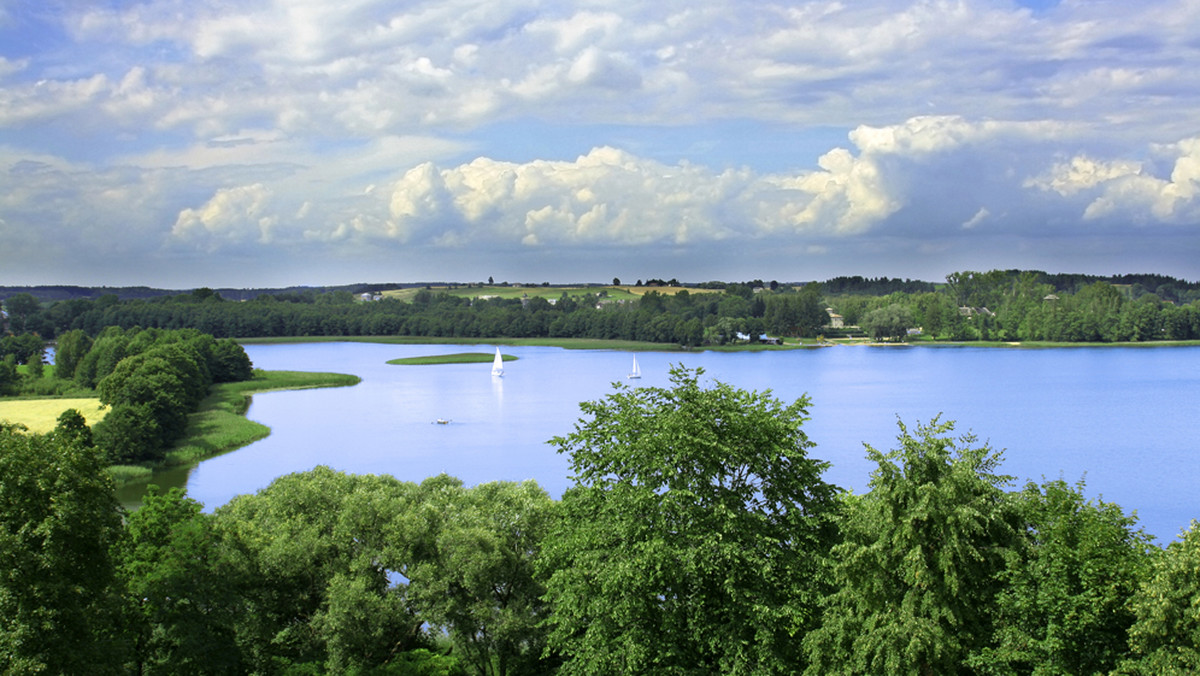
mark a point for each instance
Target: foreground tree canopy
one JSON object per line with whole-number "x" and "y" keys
{"x": 915, "y": 576}
{"x": 59, "y": 523}
{"x": 699, "y": 538}
{"x": 695, "y": 536}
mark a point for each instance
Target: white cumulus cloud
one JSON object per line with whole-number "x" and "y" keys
{"x": 232, "y": 215}
{"x": 1083, "y": 173}
{"x": 613, "y": 197}
{"x": 1127, "y": 189}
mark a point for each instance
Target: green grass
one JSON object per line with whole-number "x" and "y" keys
{"x": 128, "y": 474}
{"x": 220, "y": 424}
{"x": 456, "y": 358}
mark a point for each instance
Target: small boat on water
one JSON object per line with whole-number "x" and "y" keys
{"x": 498, "y": 364}
{"x": 637, "y": 370}
{"x": 442, "y": 421}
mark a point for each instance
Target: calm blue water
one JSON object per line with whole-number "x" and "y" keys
{"x": 1124, "y": 418}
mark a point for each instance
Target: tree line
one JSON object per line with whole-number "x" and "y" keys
{"x": 1026, "y": 306}
{"x": 1000, "y": 305}
{"x": 682, "y": 318}
{"x": 699, "y": 537}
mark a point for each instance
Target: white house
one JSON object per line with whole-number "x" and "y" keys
{"x": 836, "y": 321}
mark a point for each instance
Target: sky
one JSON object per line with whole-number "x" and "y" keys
{"x": 261, "y": 143}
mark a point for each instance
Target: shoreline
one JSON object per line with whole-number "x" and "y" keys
{"x": 642, "y": 346}
{"x": 220, "y": 424}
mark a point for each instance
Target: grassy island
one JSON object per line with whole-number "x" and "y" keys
{"x": 456, "y": 358}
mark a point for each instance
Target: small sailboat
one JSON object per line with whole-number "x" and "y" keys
{"x": 498, "y": 364}
{"x": 637, "y": 370}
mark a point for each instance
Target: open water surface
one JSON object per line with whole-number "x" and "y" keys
{"x": 1126, "y": 419}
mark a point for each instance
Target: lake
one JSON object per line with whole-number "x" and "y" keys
{"x": 1124, "y": 418}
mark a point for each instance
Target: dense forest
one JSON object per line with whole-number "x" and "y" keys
{"x": 999, "y": 305}
{"x": 699, "y": 537}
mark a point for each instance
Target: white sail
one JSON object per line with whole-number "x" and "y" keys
{"x": 498, "y": 364}
{"x": 637, "y": 370}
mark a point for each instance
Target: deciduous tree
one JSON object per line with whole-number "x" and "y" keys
{"x": 916, "y": 573}
{"x": 59, "y": 521}
{"x": 693, "y": 540}
{"x": 70, "y": 349}
{"x": 1165, "y": 637}
{"x": 471, "y": 574}
{"x": 182, "y": 601}
{"x": 311, "y": 554}
{"x": 891, "y": 322}
{"x": 1064, "y": 607}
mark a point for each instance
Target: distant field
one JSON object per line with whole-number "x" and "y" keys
{"x": 612, "y": 292}
{"x": 41, "y": 415}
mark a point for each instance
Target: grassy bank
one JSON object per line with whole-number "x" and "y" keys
{"x": 456, "y": 358}
{"x": 220, "y": 424}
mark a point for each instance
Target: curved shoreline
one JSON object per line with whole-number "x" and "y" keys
{"x": 220, "y": 424}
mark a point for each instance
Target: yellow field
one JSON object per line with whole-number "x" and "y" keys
{"x": 40, "y": 415}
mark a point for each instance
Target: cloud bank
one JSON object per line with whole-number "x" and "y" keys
{"x": 189, "y": 141}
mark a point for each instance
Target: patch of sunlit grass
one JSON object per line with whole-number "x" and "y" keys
{"x": 41, "y": 415}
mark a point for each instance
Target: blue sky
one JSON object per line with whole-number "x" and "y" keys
{"x": 183, "y": 143}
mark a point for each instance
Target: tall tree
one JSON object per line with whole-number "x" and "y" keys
{"x": 9, "y": 378}
{"x": 1065, "y": 604}
{"x": 471, "y": 574}
{"x": 229, "y": 362}
{"x": 1165, "y": 637}
{"x": 59, "y": 522}
{"x": 916, "y": 573}
{"x": 694, "y": 538}
{"x": 182, "y": 600}
{"x": 891, "y": 322}
{"x": 311, "y": 552}
{"x": 68, "y": 352}
{"x": 20, "y": 307}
